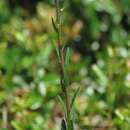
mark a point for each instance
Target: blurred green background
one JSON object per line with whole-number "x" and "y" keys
{"x": 98, "y": 32}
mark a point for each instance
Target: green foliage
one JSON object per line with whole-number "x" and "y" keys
{"x": 97, "y": 31}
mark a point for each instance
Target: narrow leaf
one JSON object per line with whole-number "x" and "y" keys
{"x": 70, "y": 125}
{"x": 74, "y": 97}
{"x": 57, "y": 51}
{"x": 62, "y": 103}
{"x": 63, "y": 125}
{"x": 54, "y": 25}
{"x": 67, "y": 56}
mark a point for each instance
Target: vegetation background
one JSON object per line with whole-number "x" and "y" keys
{"x": 98, "y": 32}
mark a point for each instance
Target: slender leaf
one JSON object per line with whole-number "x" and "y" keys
{"x": 54, "y": 25}
{"x": 67, "y": 56}
{"x": 63, "y": 125}
{"x": 74, "y": 97}
{"x": 62, "y": 103}
{"x": 57, "y": 50}
{"x": 70, "y": 125}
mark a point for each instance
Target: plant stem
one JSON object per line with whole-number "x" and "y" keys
{"x": 62, "y": 62}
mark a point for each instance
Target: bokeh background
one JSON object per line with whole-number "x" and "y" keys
{"x": 98, "y": 33}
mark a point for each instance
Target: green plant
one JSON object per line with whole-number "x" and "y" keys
{"x": 63, "y": 56}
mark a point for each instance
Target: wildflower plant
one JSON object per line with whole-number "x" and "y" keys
{"x": 63, "y": 60}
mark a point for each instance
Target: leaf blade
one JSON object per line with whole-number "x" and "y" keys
{"x": 54, "y": 25}
{"x": 74, "y": 97}
{"x": 63, "y": 125}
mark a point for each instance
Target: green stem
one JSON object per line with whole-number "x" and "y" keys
{"x": 61, "y": 63}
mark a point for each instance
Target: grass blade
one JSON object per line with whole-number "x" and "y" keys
{"x": 74, "y": 97}
{"x": 54, "y": 25}
{"x": 63, "y": 104}
{"x": 67, "y": 56}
